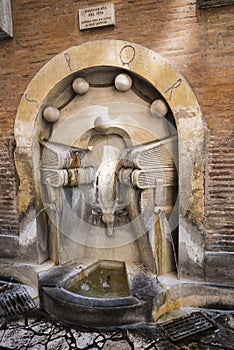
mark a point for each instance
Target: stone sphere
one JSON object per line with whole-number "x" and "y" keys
{"x": 159, "y": 108}
{"x": 123, "y": 82}
{"x": 51, "y": 114}
{"x": 80, "y": 86}
{"x": 102, "y": 124}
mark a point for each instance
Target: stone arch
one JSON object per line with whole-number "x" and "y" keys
{"x": 186, "y": 111}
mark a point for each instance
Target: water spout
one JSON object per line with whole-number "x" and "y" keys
{"x": 166, "y": 231}
{"x": 109, "y": 220}
{"x": 143, "y": 242}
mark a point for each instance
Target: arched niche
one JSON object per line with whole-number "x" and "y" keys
{"x": 173, "y": 87}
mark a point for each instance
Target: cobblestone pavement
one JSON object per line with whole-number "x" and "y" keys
{"x": 39, "y": 332}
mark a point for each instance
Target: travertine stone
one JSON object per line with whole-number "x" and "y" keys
{"x": 156, "y": 71}
{"x": 51, "y": 114}
{"x": 102, "y": 124}
{"x": 159, "y": 108}
{"x": 123, "y": 82}
{"x": 80, "y": 86}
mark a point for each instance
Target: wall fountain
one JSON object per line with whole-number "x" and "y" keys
{"x": 110, "y": 158}
{"x": 107, "y": 170}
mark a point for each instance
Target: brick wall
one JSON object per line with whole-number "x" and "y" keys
{"x": 198, "y": 42}
{"x": 8, "y": 200}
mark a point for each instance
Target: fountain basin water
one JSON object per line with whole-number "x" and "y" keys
{"x": 105, "y": 279}
{"x": 62, "y": 295}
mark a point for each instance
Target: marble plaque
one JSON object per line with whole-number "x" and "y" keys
{"x": 6, "y": 26}
{"x": 98, "y": 16}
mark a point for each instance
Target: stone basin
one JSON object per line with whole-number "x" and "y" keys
{"x": 102, "y": 280}
{"x": 65, "y": 295}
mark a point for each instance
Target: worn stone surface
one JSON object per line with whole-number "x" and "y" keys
{"x": 39, "y": 332}
{"x": 197, "y": 42}
{"x": 191, "y": 295}
{"x": 191, "y": 247}
{"x": 169, "y": 83}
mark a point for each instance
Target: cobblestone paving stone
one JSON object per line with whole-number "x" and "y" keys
{"x": 37, "y": 331}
